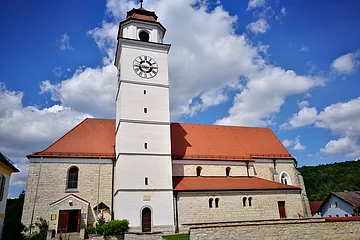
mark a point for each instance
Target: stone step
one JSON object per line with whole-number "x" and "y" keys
{"x": 67, "y": 236}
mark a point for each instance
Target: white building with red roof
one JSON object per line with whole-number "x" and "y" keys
{"x": 161, "y": 176}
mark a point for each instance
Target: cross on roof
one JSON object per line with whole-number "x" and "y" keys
{"x": 141, "y": 2}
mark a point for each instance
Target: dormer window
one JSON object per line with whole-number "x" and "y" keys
{"x": 144, "y": 36}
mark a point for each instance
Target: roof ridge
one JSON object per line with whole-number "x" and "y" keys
{"x": 67, "y": 133}
{"x": 216, "y": 125}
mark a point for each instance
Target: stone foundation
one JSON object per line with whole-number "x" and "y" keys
{"x": 328, "y": 228}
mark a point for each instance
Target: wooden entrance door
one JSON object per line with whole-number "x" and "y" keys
{"x": 281, "y": 206}
{"x": 63, "y": 221}
{"x": 69, "y": 221}
{"x": 146, "y": 220}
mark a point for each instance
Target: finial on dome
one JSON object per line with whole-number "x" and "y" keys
{"x": 141, "y": 2}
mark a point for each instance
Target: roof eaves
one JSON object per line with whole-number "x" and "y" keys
{"x": 8, "y": 163}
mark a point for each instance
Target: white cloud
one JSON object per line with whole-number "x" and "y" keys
{"x": 295, "y": 143}
{"x": 64, "y": 42}
{"x": 346, "y": 64}
{"x": 259, "y": 26}
{"x": 304, "y": 49}
{"x": 341, "y": 118}
{"x": 90, "y": 90}
{"x": 345, "y": 145}
{"x": 252, "y": 4}
{"x": 287, "y": 142}
{"x": 271, "y": 86}
{"x": 303, "y": 104}
{"x": 26, "y": 129}
{"x": 304, "y": 117}
{"x": 58, "y": 71}
{"x": 283, "y": 11}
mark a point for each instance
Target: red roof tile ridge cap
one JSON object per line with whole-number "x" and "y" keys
{"x": 97, "y": 119}
{"x": 60, "y": 138}
{"x": 215, "y": 125}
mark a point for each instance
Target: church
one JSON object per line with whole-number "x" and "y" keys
{"x": 160, "y": 175}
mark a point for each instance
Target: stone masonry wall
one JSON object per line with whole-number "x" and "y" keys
{"x": 207, "y": 170}
{"x": 194, "y": 207}
{"x": 308, "y": 229}
{"x": 53, "y": 183}
{"x": 258, "y": 169}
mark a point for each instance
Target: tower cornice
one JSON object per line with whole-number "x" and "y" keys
{"x": 162, "y": 47}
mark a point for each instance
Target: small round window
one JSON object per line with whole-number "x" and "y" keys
{"x": 144, "y": 36}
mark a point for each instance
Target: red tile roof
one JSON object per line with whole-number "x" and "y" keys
{"x": 189, "y": 141}
{"x": 314, "y": 206}
{"x": 94, "y": 138}
{"x": 227, "y": 184}
{"x": 141, "y": 14}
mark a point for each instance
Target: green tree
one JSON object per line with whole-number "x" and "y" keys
{"x": 322, "y": 179}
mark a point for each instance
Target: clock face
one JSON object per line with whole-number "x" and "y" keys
{"x": 145, "y": 67}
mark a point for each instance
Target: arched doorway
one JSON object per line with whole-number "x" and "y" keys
{"x": 146, "y": 220}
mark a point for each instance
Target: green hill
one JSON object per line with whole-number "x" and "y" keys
{"x": 337, "y": 177}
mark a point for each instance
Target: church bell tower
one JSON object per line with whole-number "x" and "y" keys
{"x": 143, "y": 192}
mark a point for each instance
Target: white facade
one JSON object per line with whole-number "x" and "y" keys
{"x": 143, "y": 170}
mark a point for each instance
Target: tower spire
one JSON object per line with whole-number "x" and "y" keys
{"x": 141, "y": 2}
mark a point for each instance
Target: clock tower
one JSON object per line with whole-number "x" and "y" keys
{"x": 143, "y": 192}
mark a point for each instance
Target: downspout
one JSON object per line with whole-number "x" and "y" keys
{"x": 36, "y": 191}
{"x": 247, "y": 168}
{"x": 112, "y": 190}
{"x": 98, "y": 195}
{"x": 176, "y": 213}
{"x": 274, "y": 160}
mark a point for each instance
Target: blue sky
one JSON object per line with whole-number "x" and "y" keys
{"x": 290, "y": 65}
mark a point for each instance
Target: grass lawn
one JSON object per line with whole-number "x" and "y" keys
{"x": 177, "y": 237}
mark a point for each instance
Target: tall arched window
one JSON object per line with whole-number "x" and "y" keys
{"x": 227, "y": 170}
{"x": 217, "y": 202}
{"x": 244, "y": 201}
{"x": 73, "y": 178}
{"x": 285, "y": 178}
{"x": 250, "y": 200}
{"x": 198, "y": 171}
{"x": 210, "y": 202}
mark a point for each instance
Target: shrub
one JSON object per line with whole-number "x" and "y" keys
{"x": 114, "y": 227}
{"x": 41, "y": 226}
{"x": 90, "y": 230}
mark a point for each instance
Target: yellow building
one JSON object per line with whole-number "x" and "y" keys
{"x": 6, "y": 169}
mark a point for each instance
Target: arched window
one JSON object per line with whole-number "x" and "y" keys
{"x": 2, "y": 186}
{"x": 73, "y": 178}
{"x": 217, "y": 202}
{"x": 244, "y": 201}
{"x": 285, "y": 178}
{"x": 198, "y": 171}
{"x": 227, "y": 170}
{"x": 336, "y": 205}
{"x": 250, "y": 200}
{"x": 210, "y": 202}
{"x": 144, "y": 36}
